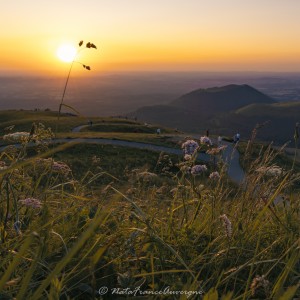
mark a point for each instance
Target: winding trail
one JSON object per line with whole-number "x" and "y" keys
{"x": 231, "y": 157}
{"x": 230, "y": 154}
{"x": 78, "y": 128}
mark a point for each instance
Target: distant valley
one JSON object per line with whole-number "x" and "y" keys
{"x": 120, "y": 93}
{"x": 160, "y": 97}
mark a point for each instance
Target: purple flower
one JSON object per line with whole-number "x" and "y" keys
{"x": 227, "y": 225}
{"x": 198, "y": 169}
{"x": 214, "y": 176}
{"x": 31, "y": 202}
{"x": 189, "y": 147}
{"x": 204, "y": 140}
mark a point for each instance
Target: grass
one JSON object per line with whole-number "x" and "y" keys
{"x": 124, "y": 218}
{"x": 114, "y": 160}
{"x": 280, "y": 158}
{"x": 110, "y": 128}
{"x": 160, "y": 140}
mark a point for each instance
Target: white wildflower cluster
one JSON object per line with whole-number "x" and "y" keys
{"x": 198, "y": 169}
{"x": 17, "y": 136}
{"x": 214, "y": 176}
{"x": 270, "y": 171}
{"x": 227, "y": 225}
{"x": 260, "y": 287}
{"x": 204, "y": 140}
{"x": 189, "y": 147}
{"x": 164, "y": 164}
{"x": 31, "y": 202}
{"x": 41, "y": 132}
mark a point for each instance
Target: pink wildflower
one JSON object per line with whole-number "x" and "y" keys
{"x": 31, "y": 202}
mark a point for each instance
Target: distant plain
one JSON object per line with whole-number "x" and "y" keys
{"x": 113, "y": 94}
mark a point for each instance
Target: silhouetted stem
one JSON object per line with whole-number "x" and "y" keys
{"x": 65, "y": 88}
{"x": 63, "y": 95}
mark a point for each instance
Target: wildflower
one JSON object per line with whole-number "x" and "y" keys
{"x": 198, "y": 169}
{"x": 270, "y": 171}
{"x": 187, "y": 157}
{"x": 9, "y": 128}
{"x": 164, "y": 164}
{"x": 60, "y": 167}
{"x": 3, "y": 165}
{"x": 162, "y": 190}
{"x": 31, "y": 202}
{"x": 96, "y": 159}
{"x": 54, "y": 166}
{"x": 180, "y": 188}
{"x": 215, "y": 151}
{"x": 260, "y": 287}
{"x": 227, "y": 225}
{"x": 40, "y": 161}
{"x": 131, "y": 191}
{"x": 146, "y": 176}
{"x": 16, "y": 136}
{"x": 204, "y": 140}
{"x": 189, "y": 147}
{"x": 214, "y": 176}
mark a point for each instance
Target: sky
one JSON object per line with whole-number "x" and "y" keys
{"x": 156, "y": 35}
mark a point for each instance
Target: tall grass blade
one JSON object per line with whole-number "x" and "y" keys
{"x": 73, "y": 251}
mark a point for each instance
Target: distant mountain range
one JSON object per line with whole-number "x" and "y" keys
{"x": 226, "y": 110}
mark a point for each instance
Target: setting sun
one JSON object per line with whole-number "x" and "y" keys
{"x": 66, "y": 52}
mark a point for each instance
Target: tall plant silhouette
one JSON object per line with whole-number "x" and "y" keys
{"x": 88, "y": 45}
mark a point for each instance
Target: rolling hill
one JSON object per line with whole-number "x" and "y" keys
{"x": 221, "y": 99}
{"x": 226, "y": 110}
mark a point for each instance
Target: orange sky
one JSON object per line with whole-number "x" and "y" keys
{"x": 218, "y": 35}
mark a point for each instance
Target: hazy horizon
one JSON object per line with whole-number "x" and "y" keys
{"x": 120, "y": 93}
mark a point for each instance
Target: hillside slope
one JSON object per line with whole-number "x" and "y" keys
{"x": 221, "y": 99}
{"x": 227, "y": 110}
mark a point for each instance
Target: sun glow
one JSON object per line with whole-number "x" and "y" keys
{"x": 66, "y": 52}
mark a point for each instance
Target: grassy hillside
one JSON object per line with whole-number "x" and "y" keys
{"x": 82, "y": 221}
{"x": 112, "y": 127}
{"x": 275, "y": 110}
